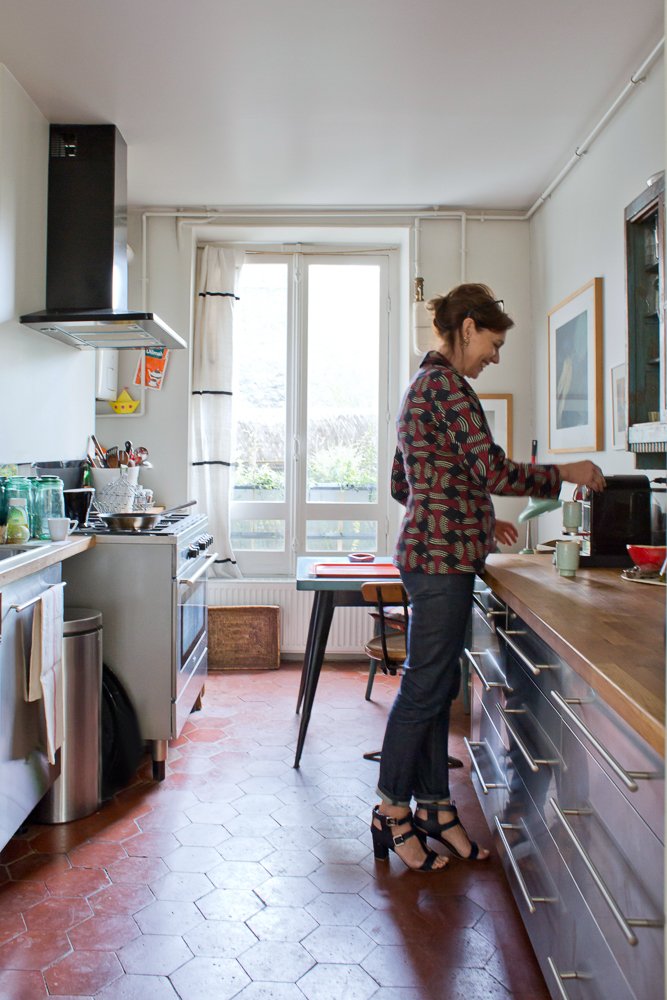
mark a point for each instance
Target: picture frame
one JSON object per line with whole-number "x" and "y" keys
{"x": 498, "y": 412}
{"x": 575, "y": 371}
{"x": 619, "y": 407}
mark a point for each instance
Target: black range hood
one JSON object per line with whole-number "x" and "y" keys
{"x": 86, "y": 255}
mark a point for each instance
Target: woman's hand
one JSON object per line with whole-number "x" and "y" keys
{"x": 506, "y": 533}
{"x": 583, "y": 474}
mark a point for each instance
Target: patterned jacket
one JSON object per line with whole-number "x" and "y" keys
{"x": 445, "y": 468}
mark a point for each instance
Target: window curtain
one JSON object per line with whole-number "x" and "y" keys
{"x": 218, "y": 274}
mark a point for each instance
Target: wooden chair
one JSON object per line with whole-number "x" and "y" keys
{"x": 387, "y": 648}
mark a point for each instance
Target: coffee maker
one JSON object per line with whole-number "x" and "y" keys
{"x": 618, "y": 516}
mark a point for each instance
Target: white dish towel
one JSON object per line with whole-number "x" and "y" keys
{"x": 45, "y": 680}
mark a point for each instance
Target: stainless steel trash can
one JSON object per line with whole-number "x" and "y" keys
{"x": 76, "y": 792}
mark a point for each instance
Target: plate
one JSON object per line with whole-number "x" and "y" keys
{"x": 642, "y": 579}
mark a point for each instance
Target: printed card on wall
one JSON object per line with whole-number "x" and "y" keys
{"x": 152, "y": 366}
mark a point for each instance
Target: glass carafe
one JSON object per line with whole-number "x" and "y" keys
{"x": 49, "y": 501}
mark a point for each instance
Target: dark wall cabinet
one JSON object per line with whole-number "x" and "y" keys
{"x": 647, "y": 354}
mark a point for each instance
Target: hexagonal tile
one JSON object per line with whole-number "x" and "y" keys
{"x": 104, "y": 932}
{"x": 192, "y": 859}
{"x": 83, "y": 972}
{"x": 221, "y": 978}
{"x": 155, "y": 954}
{"x": 291, "y": 862}
{"x": 340, "y": 908}
{"x": 131, "y": 987}
{"x": 276, "y": 961}
{"x": 220, "y": 939}
{"x": 121, "y": 898}
{"x": 57, "y": 912}
{"x": 340, "y": 850}
{"x": 202, "y": 835}
{"x": 182, "y": 885}
{"x": 340, "y": 878}
{"x": 338, "y": 944}
{"x": 168, "y": 916}
{"x": 238, "y": 875}
{"x": 282, "y": 923}
{"x": 326, "y": 981}
{"x": 245, "y": 848}
{"x": 229, "y": 904}
{"x": 287, "y": 890}
{"x": 293, "y": 838}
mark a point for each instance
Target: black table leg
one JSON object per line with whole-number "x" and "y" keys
{"x": 307, "y": 654}
{"x": 321, "y": 616}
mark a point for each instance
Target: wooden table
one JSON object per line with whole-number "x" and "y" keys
{"x": 611, "y": 631}
{"x": 330, "y": 592}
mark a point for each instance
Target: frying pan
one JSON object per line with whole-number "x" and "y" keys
{"x": 139, "y": 520}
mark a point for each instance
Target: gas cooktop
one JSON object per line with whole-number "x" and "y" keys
{"x": 169, "y": 525}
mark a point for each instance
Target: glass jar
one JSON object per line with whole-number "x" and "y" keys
{"x": 20, "y": 487}
{"x": 18, "y": 529}
{"x": 49, "y": 501}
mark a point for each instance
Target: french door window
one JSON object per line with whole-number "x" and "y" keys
{"x": 311, "y": 362}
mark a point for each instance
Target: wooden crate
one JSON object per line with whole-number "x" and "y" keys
{"x": 244, "y": 637}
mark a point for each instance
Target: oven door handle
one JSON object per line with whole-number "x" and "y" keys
{"x": 200, "y": 572}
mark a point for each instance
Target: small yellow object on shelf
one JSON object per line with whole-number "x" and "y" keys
{"x": 124, "y": 403}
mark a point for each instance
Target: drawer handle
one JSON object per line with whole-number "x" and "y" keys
{"x": 534, "y": 668}
{"x": 471, "y": 746}
{"x": 560, "y": 976}
{"x": 33, "y": 600}
{"x": 489, "y": 613}
{"x": 530, "y": 900}
{"x": 533, "y": 762}
{"x": 470, "y": 656}
{"x": 625, "y": 923}
{"x": 627, "y": 777}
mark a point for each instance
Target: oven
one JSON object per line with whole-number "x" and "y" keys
{"x": 151, "y": 587}
{"x": 191, "y": 621}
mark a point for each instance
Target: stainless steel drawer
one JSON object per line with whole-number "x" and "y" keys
{"x": 582, "y": 966}
{"x": 530, "y": 730}
{"x": 485, "y": 668}
{"x": 488, "y": 610}
{"x": 487, "y": 758}
{"x": 630, "y": 763}
{"x": 617, "y": 864}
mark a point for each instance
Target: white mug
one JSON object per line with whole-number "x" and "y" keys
{"x": 60, "y": 527}
{"x": 567, "y": 558}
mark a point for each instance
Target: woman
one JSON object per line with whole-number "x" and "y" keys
{"x": 445, "y": 469}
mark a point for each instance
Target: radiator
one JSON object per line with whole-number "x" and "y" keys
{"x": 350, "y": 629}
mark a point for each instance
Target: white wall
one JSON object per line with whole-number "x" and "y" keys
{"x": 46, "y": 388}
{"x": 578, "y": 234}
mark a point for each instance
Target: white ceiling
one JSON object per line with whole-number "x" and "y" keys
{"x": 457, "y": 103}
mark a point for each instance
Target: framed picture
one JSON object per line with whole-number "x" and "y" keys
{"x": 498, "y": 412}
{"x": 575, "y": 371}
{"x": 619, "y": 411}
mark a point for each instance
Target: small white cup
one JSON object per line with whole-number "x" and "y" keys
{"x": 567, "y": 558}
{"x": 60, "y": 527}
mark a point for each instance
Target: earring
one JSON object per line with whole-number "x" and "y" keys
{"x": 466, "y": 341}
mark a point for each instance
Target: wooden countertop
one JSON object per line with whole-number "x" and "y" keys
{"x": 611, "y": 631}
{"x": 39, "y": 555}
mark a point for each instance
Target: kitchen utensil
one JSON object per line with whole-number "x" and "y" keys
{"x": 99, "y": 451}
{"x": 648, "y": 555}
{"x": 140, "y": 521}
{"x": 567, "y": 558}
{"x": 141, "y": 455}
{"x": 60, "y": 528}
{"x": 129, "y": 449}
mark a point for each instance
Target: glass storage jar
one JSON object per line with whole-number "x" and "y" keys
{"x": 17, "y": 521}
{"x": 20, "y": 487}
{"x": 49, "y": 501}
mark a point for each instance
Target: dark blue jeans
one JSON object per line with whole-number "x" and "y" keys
{"x": 414, "y": 752}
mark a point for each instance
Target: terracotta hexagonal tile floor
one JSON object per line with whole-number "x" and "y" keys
{"x": 243, "y": 878}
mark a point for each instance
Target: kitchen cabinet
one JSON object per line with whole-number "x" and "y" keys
{"x": 25, "y": 774}
{"x": 571, "y": 790}
{"x": 646, "y": 347}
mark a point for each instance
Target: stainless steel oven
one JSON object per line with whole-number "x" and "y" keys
{"x": 151, "y": 587}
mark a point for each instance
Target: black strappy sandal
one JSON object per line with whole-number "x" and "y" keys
{"x": 385, "y": 841}
{"x": 430, "y": 827}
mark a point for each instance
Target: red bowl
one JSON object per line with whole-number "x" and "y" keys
{"x": 648, "y": 555}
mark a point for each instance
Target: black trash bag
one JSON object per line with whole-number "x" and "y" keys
{"x": 122, "y": 745}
